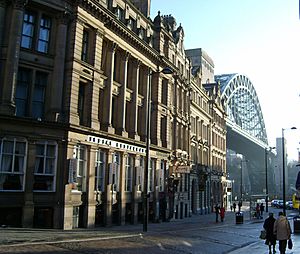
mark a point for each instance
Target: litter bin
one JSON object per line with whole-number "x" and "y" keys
{"x": 296, "y": 224}
{"x": 239, "y": 218}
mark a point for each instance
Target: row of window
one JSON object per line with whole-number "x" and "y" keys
{"x": 198, "y": 128}
{"x": 113, "y": 169}
{"x": 13, "y": 161}
{"x": 198, "y": 100}
{"x": 218, "y": 163}
{"x": 218, "y": 141}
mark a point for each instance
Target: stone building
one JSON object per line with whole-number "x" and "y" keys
{"x": 75, "y": 79}
{"x": 208, "y": 135}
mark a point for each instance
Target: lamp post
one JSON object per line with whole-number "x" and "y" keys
{"x": 266, "y": 164}
{"x": 283, "y": 167}
{"x": 241, "y": 185}
{"x": 165, "y": 70}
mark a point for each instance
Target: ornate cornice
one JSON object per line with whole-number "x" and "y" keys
{"x": 116, "y": 26}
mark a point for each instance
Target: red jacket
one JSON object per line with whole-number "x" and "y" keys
{"x": 222, "y": 212}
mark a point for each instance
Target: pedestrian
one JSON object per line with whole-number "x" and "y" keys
{"x": 270, "y": 237}
{"x": 262, "y": 209}
{"x": 234, "y": 206}
{"x": 217, "y": 211}
{"x": 230, "y": 208}
{"x": 240, "y": 205}
{"x": 257, "y": 211}
{"x": 222, "y": 213}
{"x": 282, "y": 230}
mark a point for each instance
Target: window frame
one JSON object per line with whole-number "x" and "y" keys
{"x": 129, "y": 172}
{"x": 115, "y": 176}
{"x": 28, "y": 107}
{"x": 100, "y": 169}
{"x": 40, "y": 40}
{"x": 37, "y": 36}
{"x": 45, "y": 158}
{"x": 78, "y": 150}
{"x": 85, "y": 45}
{"x": 161, "y": 176}
{"x": 15, "y": 140}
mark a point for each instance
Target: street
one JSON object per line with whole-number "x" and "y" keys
{"x": 197, "y": 234}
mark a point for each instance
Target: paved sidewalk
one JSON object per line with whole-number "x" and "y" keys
{"x": 11, "y": 236}
{"x": 29, "y": 236}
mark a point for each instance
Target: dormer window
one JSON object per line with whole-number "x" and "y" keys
{"x": 142, "y": 33}
{"x": 131, "y": 23}
{"x": 119, "y": 13}
{"x": 151, "y": 41}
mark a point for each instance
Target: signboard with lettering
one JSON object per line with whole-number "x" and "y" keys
{"x": 182, "y": 169}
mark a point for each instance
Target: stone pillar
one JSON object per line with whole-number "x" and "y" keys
{"x": 28, "y": 208}
{"x": 59, "y": 69}
{"x": 135, "y": 105}
{"x": 142, "y": 121}
{"x": 107, "y": 114}
{"x": 122, "y": 205}
{"x": 91, "y": 197}
{"x": 108, "y": 193}
{"x": 122, "y": 99}
{"x": 74, "y": 67}
{"x": 156, "y": 113}
{"x": 95, "y": 124}
{"x": 156, "y": 191}
{"x": 11, "y": 61}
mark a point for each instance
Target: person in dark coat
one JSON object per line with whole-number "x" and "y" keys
{"x": 262, "y": 209}
{"x": 217, "y": 211}
{"x": 240, "y": 205}
{"x": 234, "y": 207}
{"x": 270, "y": 237}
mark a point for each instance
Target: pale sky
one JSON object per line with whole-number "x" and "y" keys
{"x": 257, "y": 38}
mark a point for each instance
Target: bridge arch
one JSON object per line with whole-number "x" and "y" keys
{"x": 242, "y": 104}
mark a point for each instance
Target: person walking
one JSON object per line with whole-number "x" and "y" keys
{"x": 234, "y": 207}
{"x": 257, "y": 210}
{"x": 217, "y": 211}
{"x": 240, "y": 205}
{"x": 282, "y": 230}
{"x": 262, "y": 209}
{"x": 270, "y": 237}
{"x": 222, "y": 213}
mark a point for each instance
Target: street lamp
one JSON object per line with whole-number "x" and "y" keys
{"x": 165, "y": 70}
{"x": 283, "y": 167}
{"x": 241, "y": 186}
{"x": 266, "y": 164}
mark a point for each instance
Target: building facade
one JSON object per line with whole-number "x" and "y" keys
{"x": 75, "y": 79}
{"x": 208, "y": 135}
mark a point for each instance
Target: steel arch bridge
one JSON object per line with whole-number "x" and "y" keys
{"x": 246, "y": 131}
{"x": 242, "y": 107}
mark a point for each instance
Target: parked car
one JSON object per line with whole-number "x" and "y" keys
{"x": 289, "y": 205}
{"x": 274, "y": 202}
{"x": 279, "y": 204}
